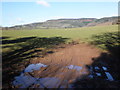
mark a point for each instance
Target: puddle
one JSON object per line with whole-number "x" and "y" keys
{"x": 33, "y": 67}
{"x": 104, "y": 68}
{"x": 48, "y": 82}
{"x": 109, "y": 76}
{"x": 97, "y": 68}
{"x": 90, "y": 76}
{"x": 25, "y": 81}
{"x": 78, "y": 68}
{"x": 98, "y": 74}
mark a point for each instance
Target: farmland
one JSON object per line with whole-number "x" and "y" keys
{"x": 83, "y": 34}
{"x": 23, "y": 47}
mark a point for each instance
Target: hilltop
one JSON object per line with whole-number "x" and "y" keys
{"x": 67, "y": 23}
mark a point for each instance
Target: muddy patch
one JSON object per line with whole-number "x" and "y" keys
{"x": 50, "y": 79}
{"x": 25, "y": 81}
{"x": 62, "y": 78}
{"x": 101, "y": 72}
{"x": 62, "y": 68}
{"x": 55, "y": 76}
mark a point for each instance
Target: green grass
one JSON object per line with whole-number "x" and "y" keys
{"x": 84, "y": 34}
{"x": 74, "y": 33}
{"x": 20, "y": 46}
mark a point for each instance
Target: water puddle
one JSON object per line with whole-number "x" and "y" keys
{"x": 90, "y": 76}
{"x": 109, "y": 76}
{"x": 97, "y": 68}
{"x": 98, "y": 74}
{"x": 48, "y": 82}
{"x": 25, "y": 81}
{"x": 104, "y": 68}
{"x": 78, "y": 68}
{"x": 33, "y": 67}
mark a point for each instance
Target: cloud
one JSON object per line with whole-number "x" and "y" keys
{"x": 44, "y": 3}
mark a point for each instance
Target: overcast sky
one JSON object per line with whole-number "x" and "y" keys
{"x": 15, "y": 13}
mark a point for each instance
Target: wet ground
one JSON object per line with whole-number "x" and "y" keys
{"x": 62, "y": 68}
{"x": 62, "y": 78}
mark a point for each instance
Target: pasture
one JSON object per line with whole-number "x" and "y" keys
{"x": 83, "y": 34}
{"x": 21, "y": 47}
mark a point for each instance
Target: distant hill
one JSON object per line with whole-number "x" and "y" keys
{"x": 66, "y": 23}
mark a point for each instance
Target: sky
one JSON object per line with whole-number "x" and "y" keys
{"x": 19, "y": 13}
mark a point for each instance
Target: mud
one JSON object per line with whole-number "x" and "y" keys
{"x": 61, "y": 68}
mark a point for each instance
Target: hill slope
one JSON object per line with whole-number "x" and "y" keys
{"x": 67, "y": 23}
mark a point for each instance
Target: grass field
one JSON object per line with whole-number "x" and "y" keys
{"x": 84, "y": 34}
{"x": 73, "y": 33}
{"x": 20, "y": 47}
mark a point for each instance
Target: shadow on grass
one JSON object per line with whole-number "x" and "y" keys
{"x": 111, "y": 42}
{"x": 104, "y": 72}
{"x": 2, "y": 38}
{"x": 19, "y": 40}
{"x": 29, "y": 49}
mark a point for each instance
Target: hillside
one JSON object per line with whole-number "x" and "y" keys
{"x": 66, "y": 23}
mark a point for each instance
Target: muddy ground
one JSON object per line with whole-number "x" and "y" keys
{"x": 74, "y": 65}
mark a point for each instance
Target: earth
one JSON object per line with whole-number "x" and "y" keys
{"x": 67, "y": 66}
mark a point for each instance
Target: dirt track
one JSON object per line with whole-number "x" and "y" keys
{"x": 79, "y": 54}
{"x": 66, "y": 64}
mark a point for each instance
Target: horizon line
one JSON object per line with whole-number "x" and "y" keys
{"x": 53, "y": 19}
